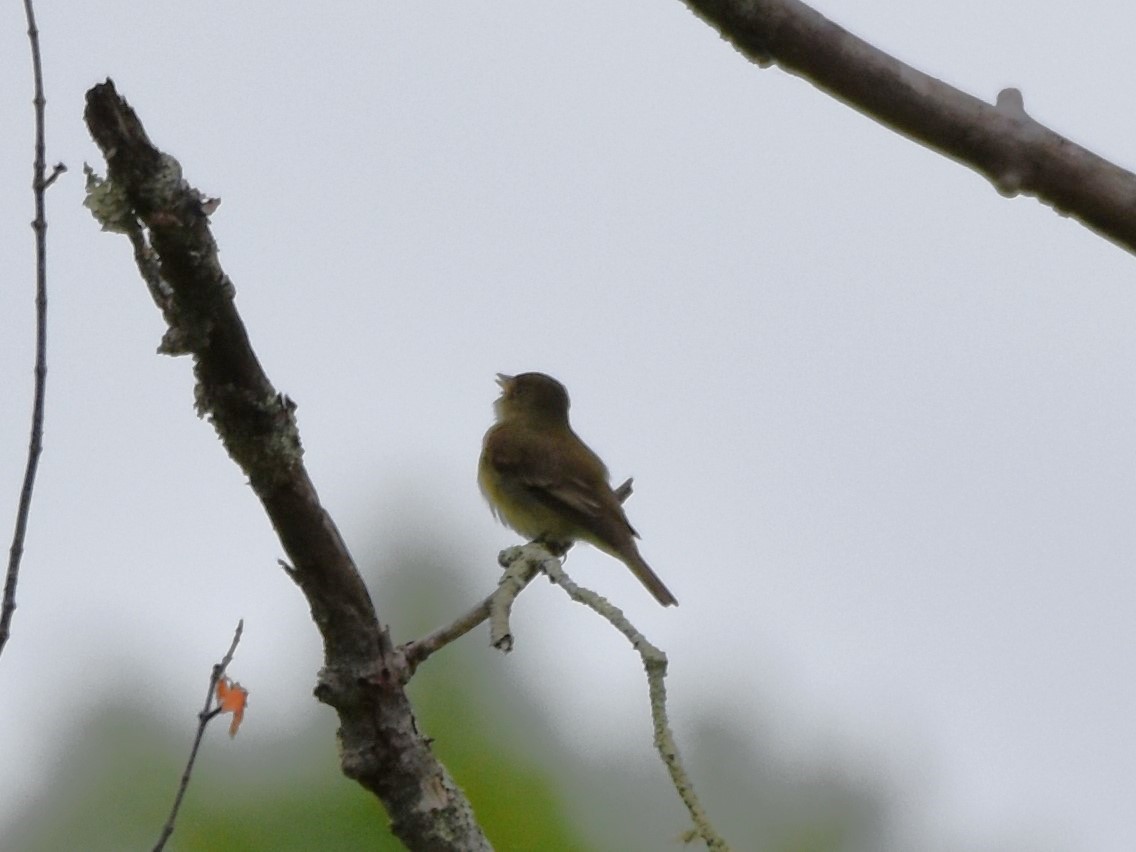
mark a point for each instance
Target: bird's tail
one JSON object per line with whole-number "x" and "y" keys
{"x": 649, "y": 578}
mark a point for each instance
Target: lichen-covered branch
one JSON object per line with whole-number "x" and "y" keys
{"x": 381, "y": 748}
{"x": 998, "y": 140}
{"x": 655, "y": 664}
{"x": 494, "y": 608}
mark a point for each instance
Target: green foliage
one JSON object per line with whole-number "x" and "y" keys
{"x": 114, "y": 783}
{"x": 515, "y": 801}
{"x": 118, "y": 780}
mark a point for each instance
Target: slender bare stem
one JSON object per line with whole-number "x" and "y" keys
{"x": 40, "y": 183}
{"x": 655, "y": 664}
{"x": 494, "y": 608}
{"x": 207, "y": 713}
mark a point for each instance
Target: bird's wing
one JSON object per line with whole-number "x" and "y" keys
{"x": 536, "y": 464}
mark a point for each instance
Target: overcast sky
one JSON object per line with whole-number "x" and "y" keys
{"x": 880, "y": 418}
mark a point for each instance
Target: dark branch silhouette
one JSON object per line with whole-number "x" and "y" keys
{"x": 206, "y": 715}
{"x": 998, "y": 140}
{"x": 145, "y": 197}
{"x": 40, "y": 182}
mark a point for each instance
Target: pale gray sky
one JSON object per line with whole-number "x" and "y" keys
{"x": 880, "y": 418}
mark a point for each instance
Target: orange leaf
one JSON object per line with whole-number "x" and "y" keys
{"x": 233, "y": 698}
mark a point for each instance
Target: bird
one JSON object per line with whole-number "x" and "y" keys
{"x": 543, "y": 481}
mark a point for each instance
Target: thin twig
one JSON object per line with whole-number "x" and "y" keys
{"x": 518, "y": 574}
{"x": 207, "y": 713}
{"x": 655, "y": 663}
{"x": 495, "y": 608}
{"x": 35, "y": 444}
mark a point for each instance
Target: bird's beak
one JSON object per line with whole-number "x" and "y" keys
{"x": 504, "y": 381}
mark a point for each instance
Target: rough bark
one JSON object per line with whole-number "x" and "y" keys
{"x": 167, "y": 221}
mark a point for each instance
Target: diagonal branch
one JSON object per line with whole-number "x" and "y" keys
{"x": 999, "y": 141}
{"x": 167, "y": 220}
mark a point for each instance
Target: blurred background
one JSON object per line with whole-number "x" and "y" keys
{"x": 879, "y": 418}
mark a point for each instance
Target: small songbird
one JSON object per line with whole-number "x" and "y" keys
{"x": 547, "y": 484}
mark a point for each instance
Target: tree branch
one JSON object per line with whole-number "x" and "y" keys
{"x": 495, "y": 607}
{"x": 40, "y": 183}
{"x": 537, "y": 559}
{"x": 381, "y": 748}
{"x": 999, "y": 141}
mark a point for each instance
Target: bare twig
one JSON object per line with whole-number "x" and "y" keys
{"x": 207, "y": 713}
{"x": 511, "y": 584}
{"x": 655, "y": 663}
{"x": 518, "y": 574}
{"x": 56, "y": 170}
{"x": 40, "y": 183}
{"x": 521, "y": 565}
{"x": 998, "y": 140}
{"x": 495, "y": 608}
